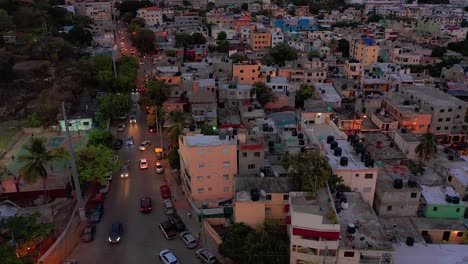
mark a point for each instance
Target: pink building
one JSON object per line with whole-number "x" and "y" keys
{"x": 208, "y": 165}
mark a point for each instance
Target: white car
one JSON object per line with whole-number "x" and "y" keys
{"x": 144, "y": 145}
{"x": 159, "y": 168}
{"x": 143, "y": 164}
{"x": 104, "y": 187}
{"x": 168, "y": 207}
{"x": 108, "y": 176}
{"x": 121, "y": 128}
{"x": 205, "y": 256}
{"x": 167, "y": 257}
{"x": 188, "y": 239}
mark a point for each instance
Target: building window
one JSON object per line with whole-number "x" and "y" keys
{"x": 199, "y": 178}
{"x": 414, "y": 195}
{"x": 226, "y": 176}
{"x": 226, "y": 164}
{"x": 210, "y": 189}
{"x": 286, "y": 197}
{"x": 349, "y": 254}
{"x": 442, "y": 110}
{"x": 267, "y": 210}
{"x": 434, "y": 209}
{"x": 257, "y": 154}
{"x": 251, "y": 166}
{"x": 458, "y": 210}
{"x": 446, "y": 127}
{"x": 244, "y": 155}
{"x": 268, "y": 197}
{"x": 201, "y": 165}
{"x": 357, "y": 175}
{"x": 450, "y": 109}
{"x": 368, "y": 176}
{"x": 389, "y": 208}
{"x": 226, "y": 189}
{"x": 241, "y": 71}
{"x": 437, "y": 128}
{"x": 459, "y": 234}
{"x": 367, "y": 189}
{"x": 200, "y": 151}
{"x": 85, "y": 123}
{"x": 439, "y": 120}
{"x": 209, "y": 177}
{"x": 201, "y": 190}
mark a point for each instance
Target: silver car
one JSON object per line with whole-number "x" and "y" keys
{"x": 144, "y": 145}
{"x": 159, "y": 168}
{"x": 168, "y": 207}
{"x": 188, "y": 239}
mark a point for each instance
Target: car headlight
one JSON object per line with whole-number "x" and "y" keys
{"x": 110, "y": 240}
{"x": 118, "y": 239}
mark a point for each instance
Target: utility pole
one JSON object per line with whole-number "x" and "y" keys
{"x": 114, "y": 49}
{"x": 76, "y": 181}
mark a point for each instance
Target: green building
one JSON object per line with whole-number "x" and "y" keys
{"x": 442, "y": 202}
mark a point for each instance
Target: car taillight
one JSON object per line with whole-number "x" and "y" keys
{"x": 149, "y": 208}
{"x": 142, "y": 209}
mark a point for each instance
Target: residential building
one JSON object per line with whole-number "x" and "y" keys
{"x": 354, "y": 69}
{"x": 270, "y": 203}
{"x": 384, "y": 121}
{"x": 279, "y": 84}
{"x": 203, "y": 105}
{"x": 80, "y": 115}
{"x": 251, "y": 153}
{"x": 410, "y": 116}
{"x": 208, "y": 165}
{"x": 95, "y": 9}
{"x": 153, "y": 15}
{"x": 246, "y": 73}
{"x": 187, "y": 21}
{"x": 221, "y": 20}
{"x": 277, "y": 36}
{"x": 442, "y": 202}
{"x": 458, "y": 179}
{"x": 364, "y": 50}
{"x": 448, "y": 112}
{"x": 260, "y": 39}
{"x": 313, "y": 227}
{"x": 328, "y": 94}
{"x": 440, "y": 231}
{"x": 232, "y": 95}
{"x": 407, "y": 142}
{"x": 362, "y": 239}
{"x": 397, "y": 192}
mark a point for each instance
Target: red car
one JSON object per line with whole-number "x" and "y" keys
{"x": 165, "y": 191}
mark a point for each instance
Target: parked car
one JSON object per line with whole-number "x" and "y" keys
{"x": 116, "y": 233}
{"x": 124, "y": 171}
{"x": 145, "y": 205}
{"x": 109, "y": 176}
{"x": 143, "y": 164}
{"x": 177, "y": 222}
{"x": 130, "y": 141}
{"x": 144, "y": 145}
{"x": 168, "y": 230}
{"x": 118, "y": 143}
{"x": 104, "y": 187}
{"x": 159, "y": 168}
{"x": 168, "y": 207}
{"x": 96, "y": 213}
{"x": 88, "y": 233}
{"x": 165, "y": 191}
{"x": 121, "y": 128}
{"x": 167, "y": 257}
{"x": 188, "y": 239}
{"x": 205, "y": 256}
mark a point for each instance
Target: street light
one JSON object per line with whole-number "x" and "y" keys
{"x": 76, "y": 181}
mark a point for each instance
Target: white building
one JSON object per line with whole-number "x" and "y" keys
{"x": 277, "y": 36}
{"x": 153, "y": 15}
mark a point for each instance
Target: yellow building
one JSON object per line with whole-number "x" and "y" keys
{"x": 364, "y": 50}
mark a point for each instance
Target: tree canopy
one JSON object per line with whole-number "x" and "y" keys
{"x": 157, "y": 93}
{"x": 264, "y": 93}
{"x": 310, "y": 170}
{"x": 174, "y": 158}
{"x": 113, "y": 106}
{"x": 221, "y": 35}
{"x": 100, "y": 137}
{"x": 93, "y": 163}
{"x": 304, "y": 93}
{"x": 6, "y": 23}
{"x": 282, "y": 53}
{"x": 144, "y": 39}
{"x": 266, "y": 244}
{"x": 427, "y": 147}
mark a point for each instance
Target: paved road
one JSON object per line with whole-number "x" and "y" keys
{"x": 142, "y": 240}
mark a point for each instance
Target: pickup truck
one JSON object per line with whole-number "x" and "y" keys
{"x": 168, "y": 230}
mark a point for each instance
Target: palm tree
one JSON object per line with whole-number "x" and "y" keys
{"x": 36, "y": 161}
{"x": 427, "y": 147}
{"x": 178, "y": 119}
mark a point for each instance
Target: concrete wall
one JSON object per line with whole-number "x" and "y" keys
{"x": 401, "y": 202}
{"x": 250, "y": 213}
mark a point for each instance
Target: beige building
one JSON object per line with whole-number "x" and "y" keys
{"x": 354, "y": 69}
{"x": 251, "y": 153}
{"x": 365, "y": 51}
{"x": 95, "y": 9}
{"x": 458, "y": 179}
{"x": 247, "y": 73}
{"x": 153, "y": 15}
{"x": 208, "y": 165}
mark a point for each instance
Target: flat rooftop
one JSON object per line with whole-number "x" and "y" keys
{"x": 408, "y": 136}
{"x": 301, "y": 203}
{"x": 432, "y": 95}
{"x": 384, "y": 152}
{"x": 268, "y": 184}
{"x": 208, "y": 141}
{"x": 386, "y": 118}
{"x": 369, "y": 231}
{"x": 398, "y": 100}
{"x": 438, "y": 223}
{"x": 460, "y": 174}
{"x": 354, "y": 162}
{"x": 399, "y": 228}
{"x": 422, "y": 253}
{"x": 436, "y": 194}
{"x": 388, "y": 173}
{"x": 327, "y": 92}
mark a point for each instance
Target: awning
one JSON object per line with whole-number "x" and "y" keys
{"x": 314, "y": 233}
